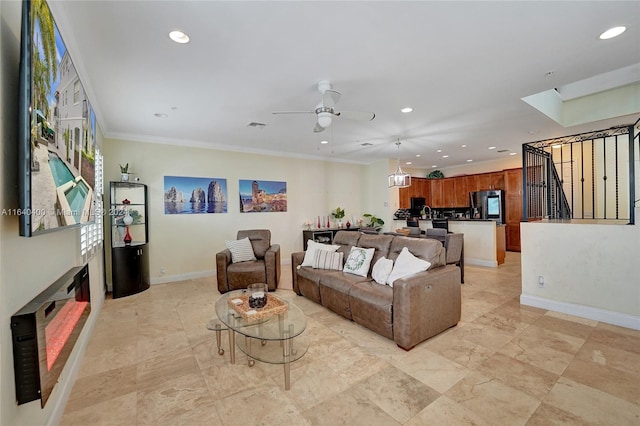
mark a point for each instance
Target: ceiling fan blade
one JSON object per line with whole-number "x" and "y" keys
{"x": 356, "y": 115}
{"x": 331, "y": 97}
{"x": 318, "y": 128}
{"x": 293, "y": 112}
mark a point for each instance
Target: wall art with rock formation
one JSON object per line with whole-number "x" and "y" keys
{"x": 188, "y": 195}
{"x": 259, "y": 196}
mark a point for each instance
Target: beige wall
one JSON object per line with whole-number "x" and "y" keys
{"x": 589, "y": 270}
{"x": 185, "y": 245}
{"x": 29, "y": 265}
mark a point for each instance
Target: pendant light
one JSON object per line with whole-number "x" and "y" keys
{"x": 399, "y": 179}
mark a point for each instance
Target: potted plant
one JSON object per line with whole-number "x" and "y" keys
{"x": 374, "y": 222}
{"x": 124, "y": 172}
{"x": 338, "y": 213}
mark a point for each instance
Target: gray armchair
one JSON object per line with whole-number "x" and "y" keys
{"x": 265, "y": 269}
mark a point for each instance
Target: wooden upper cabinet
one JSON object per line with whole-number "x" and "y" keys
{"x": 497, "y": 180}
{"x": 513, "y": 181}
{"x": 448, "y": 192}
{"x": 464, "y": 185}
{"x": 437, "y": 199}
{"x": 483, "y": 181}
{"x": 420, "y": 187}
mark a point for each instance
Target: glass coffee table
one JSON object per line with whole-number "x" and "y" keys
{"x": 271, "y": 338}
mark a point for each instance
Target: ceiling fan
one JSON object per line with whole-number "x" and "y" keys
{"x": 325, "y": 109}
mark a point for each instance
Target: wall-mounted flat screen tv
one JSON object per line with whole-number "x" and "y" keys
{"x": 57, "y": 130}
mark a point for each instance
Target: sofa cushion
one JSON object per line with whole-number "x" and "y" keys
{"x": 241, "y": 250}
{"x": 423, "y": 248}
{"x": 359, "y": 261}
{"x": 381, "y": 243}
{"x": 312, "y": 246}
{"x": 371, "y": 306}
{"x": 406, "y": 264}
{"x": 260, "y": 240}
{"x": 334, "y": 291}
{"x": 244, "y": 273}
{"x": 346, "y": 240}
{"x": 381, "y": 270}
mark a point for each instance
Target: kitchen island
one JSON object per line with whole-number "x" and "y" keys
{"x": 484, "y": 239}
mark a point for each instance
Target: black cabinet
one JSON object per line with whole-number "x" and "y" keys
{"x": 129, "y": 238}
{"x": 130, "y": 271}
{"x": 323, "y": 236}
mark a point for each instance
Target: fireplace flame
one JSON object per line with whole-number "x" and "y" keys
{"x": 57, "y": 332}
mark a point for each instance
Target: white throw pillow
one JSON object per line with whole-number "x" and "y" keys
{"x": 312, "y": 246}
{"x": 241, "y": 250}
{"x": 406, "y": 264}
{"x": 359, "y": 261}
{"x": 381, "y": 270}
{"x": 325, "y": 259}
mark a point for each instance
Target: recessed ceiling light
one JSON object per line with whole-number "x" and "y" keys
{"x": 324, "y": 142}
{"x": 161, "y": 115}
{"x": 434, "y": 166}
{"x": 439, "y": 150}
{"x": 406, "y": 109}
{"x": 445, "y": 156}
{"x": 513, "y": 153}
{"x": 418, "y": 155}
{"x": 612, "y": 32}
{"x": 408, "y": 163}
{"x": 469, "y": 161}
{"x": 492, "y": 147}
{"x": 463, "y": 146}
{"x": 179, "y": 37}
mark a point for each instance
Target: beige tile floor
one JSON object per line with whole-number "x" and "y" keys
{"x": 151, "y": 361}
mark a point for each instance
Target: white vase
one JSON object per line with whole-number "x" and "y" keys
{"x": 124, "y": 177}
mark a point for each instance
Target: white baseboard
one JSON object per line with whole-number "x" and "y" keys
{"x": 597, "y": 314}
{"x": 481, "y": 262}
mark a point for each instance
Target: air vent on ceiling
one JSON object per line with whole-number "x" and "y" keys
{"x": 256, "y": 124}
{"x": 503, "y": 150}
{"x": 366, "y": 144}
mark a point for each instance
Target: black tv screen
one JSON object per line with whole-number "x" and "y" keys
{"x": 57, "y": 129}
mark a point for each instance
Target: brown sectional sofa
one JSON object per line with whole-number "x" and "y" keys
{"x": 416, "y": 308}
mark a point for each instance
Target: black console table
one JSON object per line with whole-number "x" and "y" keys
{"x": 323, "y": 235}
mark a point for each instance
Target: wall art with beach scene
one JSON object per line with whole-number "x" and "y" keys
{"x": 189, "y": 195}
{"x": 259, "y": 196}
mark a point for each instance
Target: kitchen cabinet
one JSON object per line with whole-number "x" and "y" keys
{"x": 437, "y": 199}
{"x": 420, "y": 187}
{"x": 513, "y": 206}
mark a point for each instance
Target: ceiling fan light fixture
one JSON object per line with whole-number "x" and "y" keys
{"x": 399, "y": 179}
{"x": 612, "y": 32}
{"x": 179, "y": 36}
{"x": 324, "y": 119}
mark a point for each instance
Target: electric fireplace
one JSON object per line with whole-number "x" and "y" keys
{"x": 44, "y": 333}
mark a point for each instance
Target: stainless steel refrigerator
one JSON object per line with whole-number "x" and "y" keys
{"x": 488, "y": 205}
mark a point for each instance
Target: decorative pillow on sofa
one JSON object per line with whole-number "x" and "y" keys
{"x": 359, "y": 261}
{"x": 406, "y": 264}
{"x": 325, "y": 259}
{"x": 312, "y": 246}
{"x": 241, "y": 250}
{"x": 381, "y": 270}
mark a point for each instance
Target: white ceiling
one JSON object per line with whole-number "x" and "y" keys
{"x": 462, "y": 66}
